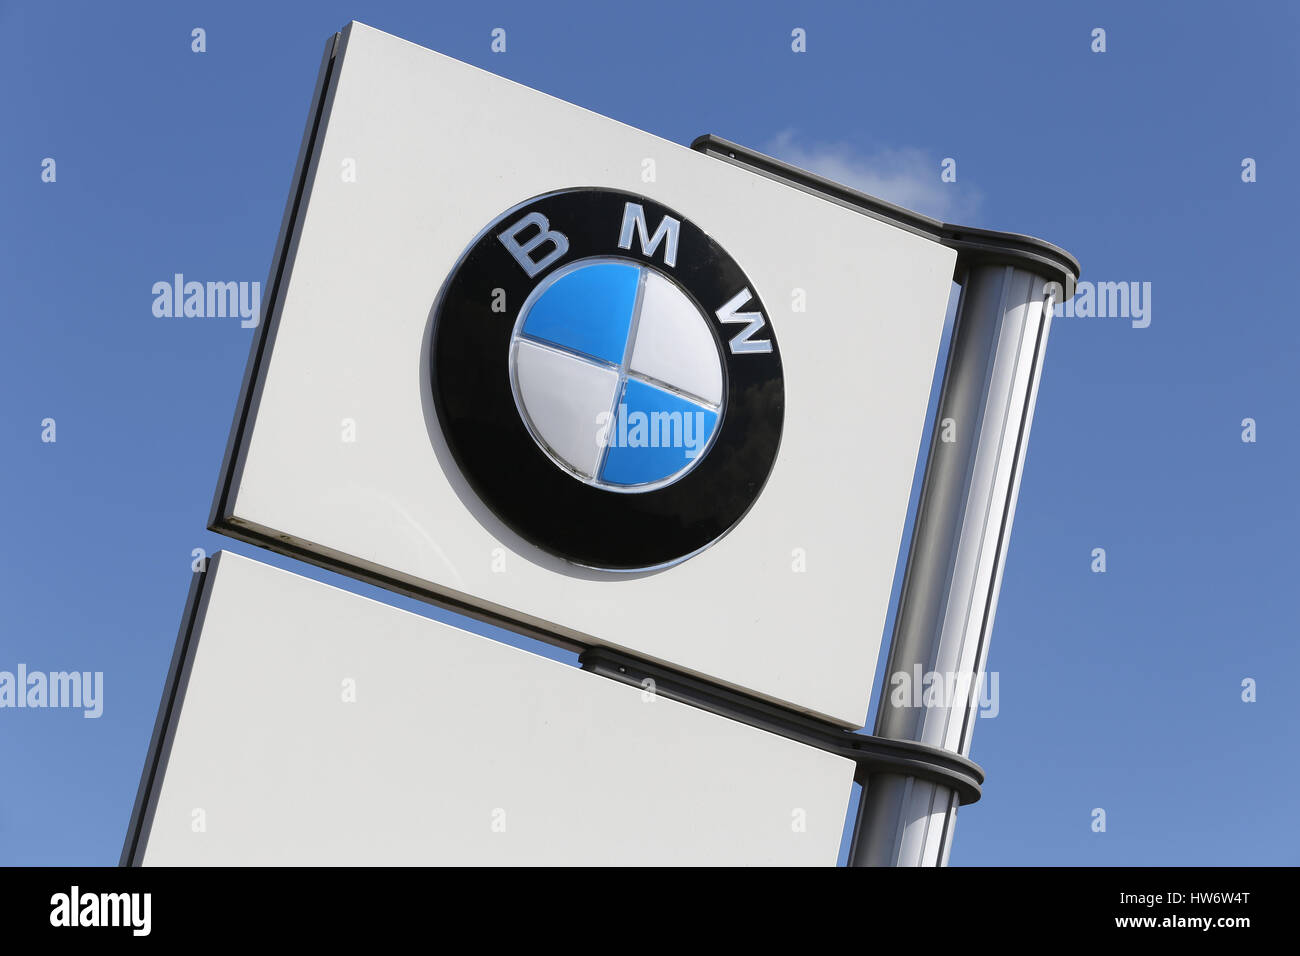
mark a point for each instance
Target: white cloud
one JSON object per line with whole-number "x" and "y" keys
{"x": 907, "y": 177}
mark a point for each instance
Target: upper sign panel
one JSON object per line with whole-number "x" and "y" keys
{"x": 549, "y": 368}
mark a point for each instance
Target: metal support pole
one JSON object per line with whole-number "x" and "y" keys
{"x": 954, "y": 565}
{"x": 1010, "y": 285}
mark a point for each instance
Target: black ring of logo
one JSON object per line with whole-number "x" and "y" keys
{"x": 581, "y": 523}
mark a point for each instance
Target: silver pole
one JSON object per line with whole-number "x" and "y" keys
{"x": 954, "y": 565}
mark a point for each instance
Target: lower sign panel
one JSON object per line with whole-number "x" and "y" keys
{"x": 306, "y": 725}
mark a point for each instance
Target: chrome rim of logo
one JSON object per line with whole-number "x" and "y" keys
{"x": 607, "y": 379}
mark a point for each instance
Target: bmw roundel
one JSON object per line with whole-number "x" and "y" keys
{"x": 607, "y": 379}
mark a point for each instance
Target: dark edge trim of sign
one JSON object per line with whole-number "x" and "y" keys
{"x": 178, "y": 672}
{"x": 250, "y": 390}
{"x": 321, "y": 557}
{"x": 169, "y": 709}
{"x": 869, "y": 754}
{"x": 973, "y": 245}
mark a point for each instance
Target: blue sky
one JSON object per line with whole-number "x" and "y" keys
{"x": 1119, "y": 690}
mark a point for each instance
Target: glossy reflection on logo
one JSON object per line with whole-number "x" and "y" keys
{"x": 607, "y": 379}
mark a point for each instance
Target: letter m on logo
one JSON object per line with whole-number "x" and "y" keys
{"x": 634, "y": 220}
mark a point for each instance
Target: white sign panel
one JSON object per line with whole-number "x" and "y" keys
{"x": 551, "y": 369}
{"x": 316, "y": 727}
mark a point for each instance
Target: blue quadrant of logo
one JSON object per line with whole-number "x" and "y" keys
{"x": 588, "y": 310}
{"x": 654, "y": 435}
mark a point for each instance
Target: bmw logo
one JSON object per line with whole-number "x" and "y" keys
{"x": 607, "y": 379}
